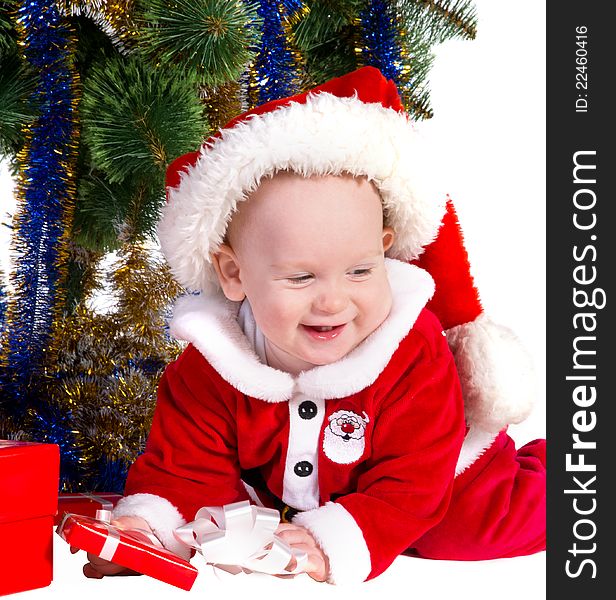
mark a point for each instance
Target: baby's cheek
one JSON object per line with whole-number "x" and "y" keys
{"x": 276, "y": 318}
{"x": 378, "y": 302}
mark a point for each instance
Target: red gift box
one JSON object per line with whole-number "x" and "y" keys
{"x": 29, "y": 477}
{"x": 129, "y": 548}
{"x": 85, "y": 504}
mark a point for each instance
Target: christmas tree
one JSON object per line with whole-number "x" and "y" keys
{"x": 96, "y": 98}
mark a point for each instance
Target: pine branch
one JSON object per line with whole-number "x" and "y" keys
{"x": 16, "y": 87}
{"x": 83, "y": 276}
{"x": 93, "y": 46}
{"x": 101, "y": 207}
{"x": 440, "y": 20}
{"x": 325, "y": 20}
{"x": 417, "y": 103}
{"x": 137, "y": 118}
{"x": 144, "y": 210}
{"x": 413, "y": 89}
{"x": 113, "y": 18}
{"x": 7, "y": 33}
{"x": 217, "y": 38}
{"x": 332, "y": 57}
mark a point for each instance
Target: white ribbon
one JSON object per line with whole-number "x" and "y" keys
{"x": 240, "y": 537}
{"x": 112, "y": 541}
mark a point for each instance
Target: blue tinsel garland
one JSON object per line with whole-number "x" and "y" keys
{"x": 45, "y": 200}
{"x": 380, "y": 32}
{"x": 276, "y": 64}
{"x": 42, "y": 191}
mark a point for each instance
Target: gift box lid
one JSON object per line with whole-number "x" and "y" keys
{"x": 29, "y": 478}
{"x": 132, "y": 549}
{"x": 85, "y": 503}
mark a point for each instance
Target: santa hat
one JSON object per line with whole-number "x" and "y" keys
{"x": 495, "y": 371}
{"x": 353, "y": 124}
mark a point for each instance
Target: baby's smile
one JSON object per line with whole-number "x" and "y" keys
{"x": 323, "y": 332}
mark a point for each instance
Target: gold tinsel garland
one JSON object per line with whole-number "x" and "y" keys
{"x": 111, "y": 361}
{"x": 221, "y": 103}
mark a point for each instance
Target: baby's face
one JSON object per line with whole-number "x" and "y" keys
{"x": 308, "y": 253}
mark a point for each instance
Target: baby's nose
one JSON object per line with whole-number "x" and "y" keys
{"x": 331, "y": 301}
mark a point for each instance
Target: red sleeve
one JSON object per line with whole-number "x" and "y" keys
{"x": 406, "y": 487}
{"x": 416, "y": 443}
{"x": 190, "y": 457}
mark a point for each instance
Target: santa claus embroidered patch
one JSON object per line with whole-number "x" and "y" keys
{"x": 343, "y": 440}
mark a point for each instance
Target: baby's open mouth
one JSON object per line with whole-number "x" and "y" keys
{"x": 324, "y": 327}
{"x": 324, "y": 332}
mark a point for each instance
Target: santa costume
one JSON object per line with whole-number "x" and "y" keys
{"x": 401, "y": 445}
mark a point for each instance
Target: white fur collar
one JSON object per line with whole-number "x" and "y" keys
{"x": 210, "y": 324}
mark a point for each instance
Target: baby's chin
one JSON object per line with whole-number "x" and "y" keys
{"x": 327, "y": 356}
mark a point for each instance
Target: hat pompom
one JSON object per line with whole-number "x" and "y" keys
{"x": 496, "y": 373}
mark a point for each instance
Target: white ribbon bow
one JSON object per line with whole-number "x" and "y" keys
{"x": 240, "y": 537}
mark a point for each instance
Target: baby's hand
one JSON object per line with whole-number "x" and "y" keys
{"x": 96, "y": 567}
{"x": 317, "y": 565}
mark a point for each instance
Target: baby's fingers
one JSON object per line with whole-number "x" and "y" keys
{"x": 98, "y": 567}
{"x": 294, "y": 536}
{"x": 91, "y": 572}
{"x": 315, "y": 566}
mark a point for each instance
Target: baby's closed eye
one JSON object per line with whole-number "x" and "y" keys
{"x": 359, "y": 273}
{"x": 298, "y": 279}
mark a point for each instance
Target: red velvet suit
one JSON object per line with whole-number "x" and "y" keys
{"x": 389, "y": 486}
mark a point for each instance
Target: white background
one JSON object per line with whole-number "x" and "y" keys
{"x": 488, "y": 97}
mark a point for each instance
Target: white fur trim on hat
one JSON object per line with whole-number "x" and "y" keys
{"x": 326, "y": 135}
{"x": 496, "y": 373}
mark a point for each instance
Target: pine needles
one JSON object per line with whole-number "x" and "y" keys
{"x": 138, "y": 118}
{"x": 16, "y": 86}
{"x": 216, "y": 38}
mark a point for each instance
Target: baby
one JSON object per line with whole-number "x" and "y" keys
{"x": 316, "y": 381}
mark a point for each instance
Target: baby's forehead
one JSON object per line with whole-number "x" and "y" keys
{"x": 292, "y": 201}
{"x": 294, "y": 195}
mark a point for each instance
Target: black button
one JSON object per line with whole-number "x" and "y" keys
{"x": 307, "y": 409}
{"x": 303, "y": 468}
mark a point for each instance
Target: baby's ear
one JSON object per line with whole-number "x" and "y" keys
{"x": 388, "y": 238}
{"x": 227, "y": 269}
